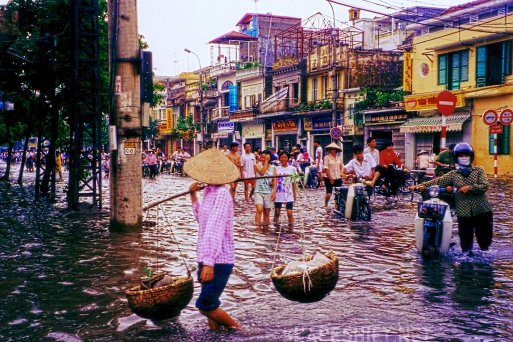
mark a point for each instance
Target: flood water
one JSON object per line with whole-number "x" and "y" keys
{"x": 63, "y": 275}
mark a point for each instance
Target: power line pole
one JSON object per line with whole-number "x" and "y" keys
{"x": 125, "y": 119}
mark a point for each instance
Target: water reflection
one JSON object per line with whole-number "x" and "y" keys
{"x": 474, "y": 285}
{"x": 63, "y": 276}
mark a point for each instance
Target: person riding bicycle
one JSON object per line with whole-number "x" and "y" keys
{"x": 387, "y": 159}
{"x": 362, "y": 165}
{"x": 472, "y": 208}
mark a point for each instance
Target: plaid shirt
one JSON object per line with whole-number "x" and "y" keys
{"x": 474, "y": 201}
{"x": 215, "y": 234}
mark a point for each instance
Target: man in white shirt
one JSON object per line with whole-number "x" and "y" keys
{"x": 371, "y": 149}
{"x": 225, "y": 150}
{"x": 362, "y": 165}
{"x": 248, "y": 161}
{"x": 318, "y": 159}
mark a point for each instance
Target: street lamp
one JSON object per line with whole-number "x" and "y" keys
{"x": 200, "y": 90}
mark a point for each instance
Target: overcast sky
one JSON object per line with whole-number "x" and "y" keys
{"x": 169, "y": 26}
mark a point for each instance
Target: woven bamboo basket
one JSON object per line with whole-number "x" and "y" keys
{"x": 292, "y": 286}
{"x": 161, "y": 302}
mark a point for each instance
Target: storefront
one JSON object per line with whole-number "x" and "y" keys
{"x": 253, "y": 132}
{"x": 424, "y": 133}
{"x": 384, "y": 125}
{"x": 285, "y": 134}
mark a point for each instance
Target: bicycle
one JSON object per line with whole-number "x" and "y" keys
{"x": 384, "y": 187}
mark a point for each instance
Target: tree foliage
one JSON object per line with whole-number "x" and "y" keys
{"x": 186, "y": 127}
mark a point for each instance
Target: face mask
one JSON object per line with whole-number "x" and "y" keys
{"x": 465, "y": 161}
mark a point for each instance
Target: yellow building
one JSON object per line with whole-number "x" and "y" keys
{"x": 466, "y": 50}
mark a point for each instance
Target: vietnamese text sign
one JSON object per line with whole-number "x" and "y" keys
{"x": 321, "y": 123}
{"x": 225, "y": 126}
{"x": 407, "y": 72}
{"x": 428, "y": 101}
{"x": 284, "y": 126}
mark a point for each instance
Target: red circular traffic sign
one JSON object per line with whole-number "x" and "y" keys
{"x": 490, "y": 117}
{"x": 506, "y": 116}
{"x": 336, "y": 133}
{"x": 446, "y": 102}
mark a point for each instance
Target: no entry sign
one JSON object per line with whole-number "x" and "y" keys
{"x": 490, "y": 117}
{"x": 446, "y": 102}
{"x": 506, "y": 116}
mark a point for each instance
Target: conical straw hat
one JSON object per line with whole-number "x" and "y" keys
{"x": 211, "y": 167}
{"x": 334, "y": 146}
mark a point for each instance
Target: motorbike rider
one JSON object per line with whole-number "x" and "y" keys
{"x": 388, "y": 158}
{"x": 362, "y": 165}
{"x": 444, "y": 161}
{"x": 472, "y": 208}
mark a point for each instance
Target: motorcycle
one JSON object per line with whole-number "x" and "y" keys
{"x": 433, "y": 222}
{"x": 313, "y": 180}
{"x": 352, "y": 201}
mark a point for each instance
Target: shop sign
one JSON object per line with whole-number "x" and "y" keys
{"x": 216, "y": 136}
{"x": 285, "y": 126}
{"x": 428, "y": 101}
{"x": 407, "y": 72}
{"x": 347, "y": 129}
{"x": 307, "y": 124}
{"x": 321, "y": 123}
{"x": 167, "y": 126}
{"x": 225, "y": 126}
{"x": 386, "y": 118}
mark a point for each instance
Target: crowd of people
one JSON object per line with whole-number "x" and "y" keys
{"x": 274, "y": 187}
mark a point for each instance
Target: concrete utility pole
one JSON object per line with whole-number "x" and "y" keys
{"x": 334, "y": 76}
{"x": 125, "y": 118}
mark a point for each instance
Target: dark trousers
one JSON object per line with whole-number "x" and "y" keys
{"x": 391, "y": 176}
{"x": 482, "y": 225}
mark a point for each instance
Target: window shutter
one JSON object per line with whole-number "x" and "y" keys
{"x": 481, "y": 68}
{"x": 506, "y": 58}
{"x": 442, "y": 69}
{"x": 502, "y": 141}
{"x": 464, "y": 65}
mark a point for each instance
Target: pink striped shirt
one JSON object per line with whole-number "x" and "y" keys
{"x": 215, "y": 233}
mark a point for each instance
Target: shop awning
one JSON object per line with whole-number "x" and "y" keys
{"x": 434, "y": 124}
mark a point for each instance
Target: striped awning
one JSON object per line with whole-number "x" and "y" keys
{"x": 434, "y": 124}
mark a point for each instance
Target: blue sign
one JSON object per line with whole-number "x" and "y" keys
{"x": 226, "y": 126}
{"x": 321, "y": 123}
{"x": 6, "y": 105}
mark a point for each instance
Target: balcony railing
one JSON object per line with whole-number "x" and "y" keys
{"x": 220, "y": 112}
{"x": 251, "y": 72}
{"x": 242, "y": 114}
{"x": 223, "y": 69}
{"x": 211, "y": 93}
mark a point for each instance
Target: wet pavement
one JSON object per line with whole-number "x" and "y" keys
{"x": 63, "y": 275}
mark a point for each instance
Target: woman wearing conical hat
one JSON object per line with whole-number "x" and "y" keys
{"x": 333, "y": 165}
{"x": 215, "y": 249}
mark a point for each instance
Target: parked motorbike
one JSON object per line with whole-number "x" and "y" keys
{"x": 313, "y": 180}
{"x": 352, "y": 201}
{"x": 433, "y": 222}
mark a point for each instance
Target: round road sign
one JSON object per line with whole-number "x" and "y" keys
{"x": 336, "y": 133}
{"x": 446, "y": 102}
{"x": 490, "y": 117}
{"x": 506, "y": 116}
